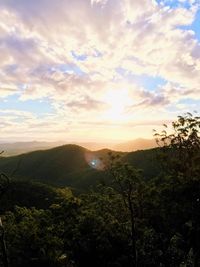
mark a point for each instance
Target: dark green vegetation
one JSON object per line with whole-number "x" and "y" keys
{"x": 70, "y": 165}
{"x": 132, "y": 218}
{"x": 30, "y": 194}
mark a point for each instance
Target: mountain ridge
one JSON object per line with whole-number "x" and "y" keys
{"x": 72, "y": 165}
{"x": 61, "y": 166}
{"x": 17, "y": 148}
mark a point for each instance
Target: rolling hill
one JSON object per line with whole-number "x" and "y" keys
{"x": 72, "y": 165}
{"x": 68, "y": 165}
{"x": 17, "y": 148}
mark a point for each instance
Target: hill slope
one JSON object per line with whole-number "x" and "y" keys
{"x": 12, "y": 149}
{"x": 28, "y": 194}
{"x": 72, "y": 165}
{"x": 17, "y": 148}
{"x": 68, "y": 165}
{"x": 146, "y": 160}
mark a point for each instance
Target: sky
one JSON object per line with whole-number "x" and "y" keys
{"x": 96, "y": 70}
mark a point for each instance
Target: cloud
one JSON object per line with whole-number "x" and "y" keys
{"x": 86, "y": 103}
{"x": 70, "y": 51}
{"x": 4, "y": 92}
{"x": 148, "y": 32}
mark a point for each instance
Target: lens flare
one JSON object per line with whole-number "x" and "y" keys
{"x": 94, "y": 161}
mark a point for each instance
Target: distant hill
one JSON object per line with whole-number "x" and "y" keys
{"x": 137, "y": 144}
{"x": 12, "y": 149}
{"x": 145, "y": 160}
{"x": 72, "y": 165}
{"x": 17, "y": 148}
{"x": 68, "y": 165}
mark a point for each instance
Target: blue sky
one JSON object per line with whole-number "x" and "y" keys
{"x": 69, "y": 65}
{"x": 40, "y": 108}
{"x": 195, "y": 26}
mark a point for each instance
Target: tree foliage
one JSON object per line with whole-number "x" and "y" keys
{"x": 182, "y": 146}
{"x": 131, "y": 221}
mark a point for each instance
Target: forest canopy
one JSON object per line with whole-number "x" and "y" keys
{"x": 128, "y": 221}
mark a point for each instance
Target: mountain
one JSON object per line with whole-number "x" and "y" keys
{"x": 137, "y": 144}
{"x": 68, "y": 165}
{"x": 11, "y": 149}
{"x": 72, "y": 165}
{"x": 145, "y": 160}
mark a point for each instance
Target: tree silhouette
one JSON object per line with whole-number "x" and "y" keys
{"x": 128, "y": 183}
{"x": 4, "y": 184}
{"x": 180, "y": 156}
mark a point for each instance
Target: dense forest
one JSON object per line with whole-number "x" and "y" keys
{"x": 138, "y": 209}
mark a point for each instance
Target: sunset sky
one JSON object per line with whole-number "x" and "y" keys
{"x": 96, "y": 70}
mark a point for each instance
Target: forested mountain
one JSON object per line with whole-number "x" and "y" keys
{"x": 131, "y": 218}
{"x": 17, "y": 148}
{"x": 72, "y": 165}
{"x": 50, "y": 166}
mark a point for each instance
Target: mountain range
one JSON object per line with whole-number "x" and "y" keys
{"x": 17, "y": 148}
{"x": 73, "y": 166}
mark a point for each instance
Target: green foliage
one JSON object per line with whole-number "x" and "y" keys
{"x": 181, "y": 161}
{"x": 182, "y": 147}
{"x": 31, "y": 238}
{"x": 145, "y": 160}
{"x": 60, "y": 166}
{"x": 4, "y": 184}
{"x": 128, "y": 220}
{"x": 28, "y": 194}
{"x": 67, "y": 166}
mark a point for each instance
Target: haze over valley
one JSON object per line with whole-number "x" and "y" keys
{"x": 11, "y": 149}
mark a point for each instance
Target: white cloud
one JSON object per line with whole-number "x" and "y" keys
{"x": 142, "y": 37}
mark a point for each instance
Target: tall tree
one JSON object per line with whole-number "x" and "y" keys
{"x": 4, "y": 183}
{"x": 128, "y": 183}
{"x": 181, "y": 161}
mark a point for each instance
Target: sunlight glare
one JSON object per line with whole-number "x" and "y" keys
{"x": 118, "y": 101}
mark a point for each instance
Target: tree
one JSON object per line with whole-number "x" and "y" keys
{"x": 182, "y": 147}
{"x": 181, "y": 161}
{"x": 32, "y": 238}
{"x": 128, "y": 183}
{"x": 4, "y": 184}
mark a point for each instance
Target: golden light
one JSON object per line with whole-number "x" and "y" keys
{"x": 117, "y": 100}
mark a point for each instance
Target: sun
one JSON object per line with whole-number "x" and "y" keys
{"x": 117, "y": 100}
